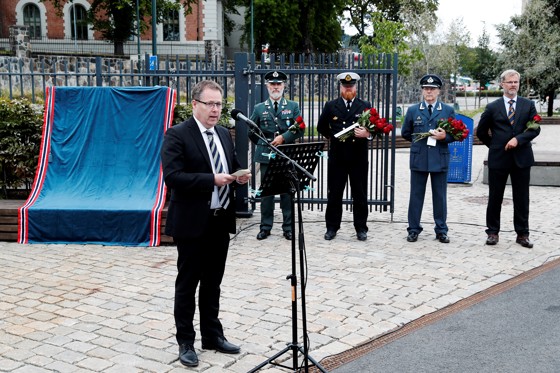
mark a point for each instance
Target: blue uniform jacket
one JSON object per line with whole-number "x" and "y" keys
{"x": 417, "y": 120}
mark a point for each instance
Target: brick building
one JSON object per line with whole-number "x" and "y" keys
{"x": 177, "y": 32}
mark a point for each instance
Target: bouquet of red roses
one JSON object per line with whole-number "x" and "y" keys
{"x": 370, "y": 120}
{"x": 299, "y": 125}
{"x": 455, "y": 127}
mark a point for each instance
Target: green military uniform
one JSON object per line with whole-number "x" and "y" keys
{"x": 273, "y": 123}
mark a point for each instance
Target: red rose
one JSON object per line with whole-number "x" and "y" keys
{"x": 537, "y": 118}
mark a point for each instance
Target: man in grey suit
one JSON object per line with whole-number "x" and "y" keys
{"x": 198, "y": 158}
{"x": 510, "y": 154}
{"x": 428, "y": 157}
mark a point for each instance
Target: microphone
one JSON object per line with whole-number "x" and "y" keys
{"x": 238, "y": 115}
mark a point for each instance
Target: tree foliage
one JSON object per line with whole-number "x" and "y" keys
{"x": 416, "y": 15}
{"x": 116, "y": 19}
{"x": 389, "y": 37}
{"x": 304, "y": 26}
{"x": 20, "y": 138}
{"x": 532, "y": 46}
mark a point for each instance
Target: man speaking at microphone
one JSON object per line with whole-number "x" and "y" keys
{"x": 276, "y": 117}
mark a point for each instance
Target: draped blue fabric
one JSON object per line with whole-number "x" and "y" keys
{"x": 99, "y": 178}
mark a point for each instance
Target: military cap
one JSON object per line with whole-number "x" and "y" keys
{"x": 431, "y": 80}
{"x": 348, "y": 78}
{"x": 275, "y": 77}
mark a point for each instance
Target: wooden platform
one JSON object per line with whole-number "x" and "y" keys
{"x": 9, "y": 221}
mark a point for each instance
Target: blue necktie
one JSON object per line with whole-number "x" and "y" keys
{"x": 219, "y": 167}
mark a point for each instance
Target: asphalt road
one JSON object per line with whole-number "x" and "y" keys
{"x": 515, "y": 331}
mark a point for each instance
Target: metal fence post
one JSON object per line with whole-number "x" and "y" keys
{"x": 98, "y": 72}
{"x": 241, "y": 131}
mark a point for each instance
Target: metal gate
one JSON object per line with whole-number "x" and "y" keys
{"x": 312, "y": 82}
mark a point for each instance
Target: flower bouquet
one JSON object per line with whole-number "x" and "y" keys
{"x": 534, "y": 124}
{"x": 455, "y": 127}
{"x": 299, "y": 125}
{"x": 370, "y": 120}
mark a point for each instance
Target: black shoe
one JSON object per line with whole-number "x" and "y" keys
{"x": 221, "y": 345}
{"x": 524, "y": 241}
{"x": 263, "y": 234}
{"x": 187, "y": 355}
{"x": 330, "y": 235}
{"x": 412, "y": 237}
{"x": 362, "y": 236}
{"x": 442, "y": 237}
{"x": 288, "y": 235}
{"x": 492, "y": 239}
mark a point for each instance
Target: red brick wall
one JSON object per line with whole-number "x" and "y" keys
{"x": 55, "y": 24}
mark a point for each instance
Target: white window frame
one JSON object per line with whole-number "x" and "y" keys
{"x": 42, "y": 14}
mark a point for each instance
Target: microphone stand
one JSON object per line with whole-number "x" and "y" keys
{"x": 293, "y": 346}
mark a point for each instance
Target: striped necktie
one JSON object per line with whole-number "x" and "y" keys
{"x": 511, "y": 112}
{"x": 219, "y": 167}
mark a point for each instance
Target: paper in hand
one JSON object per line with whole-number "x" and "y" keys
{"x": 347, "y": 129}
{"x": 241, "y": 172}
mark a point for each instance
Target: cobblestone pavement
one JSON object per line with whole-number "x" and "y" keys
{"x": 87, "y": 308}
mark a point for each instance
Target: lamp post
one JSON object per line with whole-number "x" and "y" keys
{"x": 154, "y": 31}
{"x": 252, "y": 40}
{"x": 138, "y": 26}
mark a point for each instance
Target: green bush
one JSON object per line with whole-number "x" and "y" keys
{"x": 20, "y": 138}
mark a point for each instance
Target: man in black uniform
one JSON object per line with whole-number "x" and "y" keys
{"x": 347, "y": 159}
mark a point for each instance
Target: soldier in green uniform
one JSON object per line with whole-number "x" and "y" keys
{"x": 274, "y": 117}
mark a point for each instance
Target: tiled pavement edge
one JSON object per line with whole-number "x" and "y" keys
{"x": 87, "y": 308}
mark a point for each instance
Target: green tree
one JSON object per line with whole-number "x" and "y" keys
{"x": 532, "y": 46}
{"x": 412, "y": 13}
{"x": 389, "y": 37}
{"x": 116, "y": 19}
{"x": 304, "y": 26}
{"x": 484, "y": 68}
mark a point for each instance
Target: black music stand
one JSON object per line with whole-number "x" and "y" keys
{"x": 282, "y": 176}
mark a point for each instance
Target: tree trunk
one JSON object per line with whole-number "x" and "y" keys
{"x": 119, "y": 48}
{"x": 550, "y": 108}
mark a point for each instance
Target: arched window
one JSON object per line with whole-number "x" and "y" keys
{"x": 171, "y": 26}
{"x": 32, "y": 19}
{"x": 78, "y": 22}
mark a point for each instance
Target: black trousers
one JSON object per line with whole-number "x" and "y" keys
{"x": 201, "y": 261}
{"x": 497, "y": 179}
{"x": 339, "y": 173}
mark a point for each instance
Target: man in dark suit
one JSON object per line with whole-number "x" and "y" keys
{"x": 198, "y": 158}
{"x": 348, "y": 160}
{"x": 428, "y": 157}
{"x": 510, "y": 154}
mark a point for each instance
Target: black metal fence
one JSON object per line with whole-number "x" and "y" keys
{"x": 311, "y": 83}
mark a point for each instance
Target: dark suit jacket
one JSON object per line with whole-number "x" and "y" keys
{"x": 494, "y": 119}
{"x": 187, "y": 170}
{"x": 333, "y": 119}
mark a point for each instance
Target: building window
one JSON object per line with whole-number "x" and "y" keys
{"x": 171, "y": 26}
{"x": 78, "y": 22}
{"x": 32, "y": 19}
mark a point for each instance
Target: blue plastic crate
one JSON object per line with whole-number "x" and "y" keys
{"x": 460, "y": 162}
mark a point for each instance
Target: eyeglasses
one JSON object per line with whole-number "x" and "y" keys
{"x": 211, "y": 105}
{"x": 512, "y": 82}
